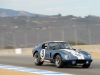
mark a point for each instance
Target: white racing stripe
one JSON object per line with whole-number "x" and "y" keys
{"x": 75, "y": 53}
{"x": 32, "y": 70}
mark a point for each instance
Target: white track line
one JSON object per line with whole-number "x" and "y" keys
{"x": 32, "y": 70}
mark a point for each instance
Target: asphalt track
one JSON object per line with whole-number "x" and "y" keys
{"x": 27, "y": 61}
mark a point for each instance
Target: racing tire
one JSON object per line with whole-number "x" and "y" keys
{"x": 86, "y": 66}
{"x": 37, "y": 59}
{"x": 58, "y": 61}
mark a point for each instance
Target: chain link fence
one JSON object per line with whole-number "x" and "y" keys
{"x": 30, "y": 37}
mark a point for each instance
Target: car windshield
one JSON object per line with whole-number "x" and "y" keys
{"x": 59, "y": 45}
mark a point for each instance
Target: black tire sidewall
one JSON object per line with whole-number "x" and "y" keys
{"x": 39, "y": 62}
{"x": 86, "y": 66}
{"x": 61, "y": 62}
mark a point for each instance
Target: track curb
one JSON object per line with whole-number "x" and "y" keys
{"x": 32, "y": 70}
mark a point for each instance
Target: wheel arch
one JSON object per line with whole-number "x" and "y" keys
{"x": 34, "y": 53}
{"x": 56, "y": 55}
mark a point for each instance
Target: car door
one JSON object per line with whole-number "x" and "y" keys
{"x": 49, "y": 51}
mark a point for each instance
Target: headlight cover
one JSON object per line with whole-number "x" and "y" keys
{"x": 66, "y": 56}
{"x": 89, "y": 56}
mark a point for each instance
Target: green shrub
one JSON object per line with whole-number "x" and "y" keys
{"x": 78, "y": 43}
{"x": 81, "y": 43}
{"x": 9, "y": 47}
{"x": 71, "y": 42}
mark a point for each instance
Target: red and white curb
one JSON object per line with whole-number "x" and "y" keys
{"x": 32, "y": 70}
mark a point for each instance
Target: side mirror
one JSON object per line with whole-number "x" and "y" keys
{"x": 74, "y": 49}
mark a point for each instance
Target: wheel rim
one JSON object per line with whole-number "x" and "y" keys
{"x": 36, "y": 58}
{"x": 57, "y": 61}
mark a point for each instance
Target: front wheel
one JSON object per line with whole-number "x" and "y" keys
{"x": 58, "y": 61}
{"x": 86, "y": 65}
{"x": 37, "y": 59}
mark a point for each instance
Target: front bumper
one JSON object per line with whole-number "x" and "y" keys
{"x": 77, "y": 61}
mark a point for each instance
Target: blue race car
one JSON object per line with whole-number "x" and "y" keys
{"x": 60, "y": 53}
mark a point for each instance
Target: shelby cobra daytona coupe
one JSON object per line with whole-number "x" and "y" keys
{"x": 60, "y": 53}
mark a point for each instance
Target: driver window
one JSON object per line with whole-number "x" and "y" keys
{"x": 53, "y": 46}
{"x": 64, "y": 45}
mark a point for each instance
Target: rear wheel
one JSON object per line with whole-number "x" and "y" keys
{"x": 58, "y": 61}
{"x": 37, "y": 59}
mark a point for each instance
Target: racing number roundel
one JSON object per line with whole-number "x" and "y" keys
{"x": 42, "y": 54}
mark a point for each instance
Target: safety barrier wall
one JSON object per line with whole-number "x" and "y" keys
{"x": 89, "y": 48}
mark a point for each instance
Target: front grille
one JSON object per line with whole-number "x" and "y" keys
{"x": 81, "y": 61}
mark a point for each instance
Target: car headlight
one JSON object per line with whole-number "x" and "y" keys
{"x": 89, "y": 55}
{"x": 66, "y": 56}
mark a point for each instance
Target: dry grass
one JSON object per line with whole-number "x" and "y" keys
{"x": 12, "y": 72}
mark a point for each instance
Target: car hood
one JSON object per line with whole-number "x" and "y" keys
{"x": 69, "y": 51}
{"x": 75, "y": 53}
